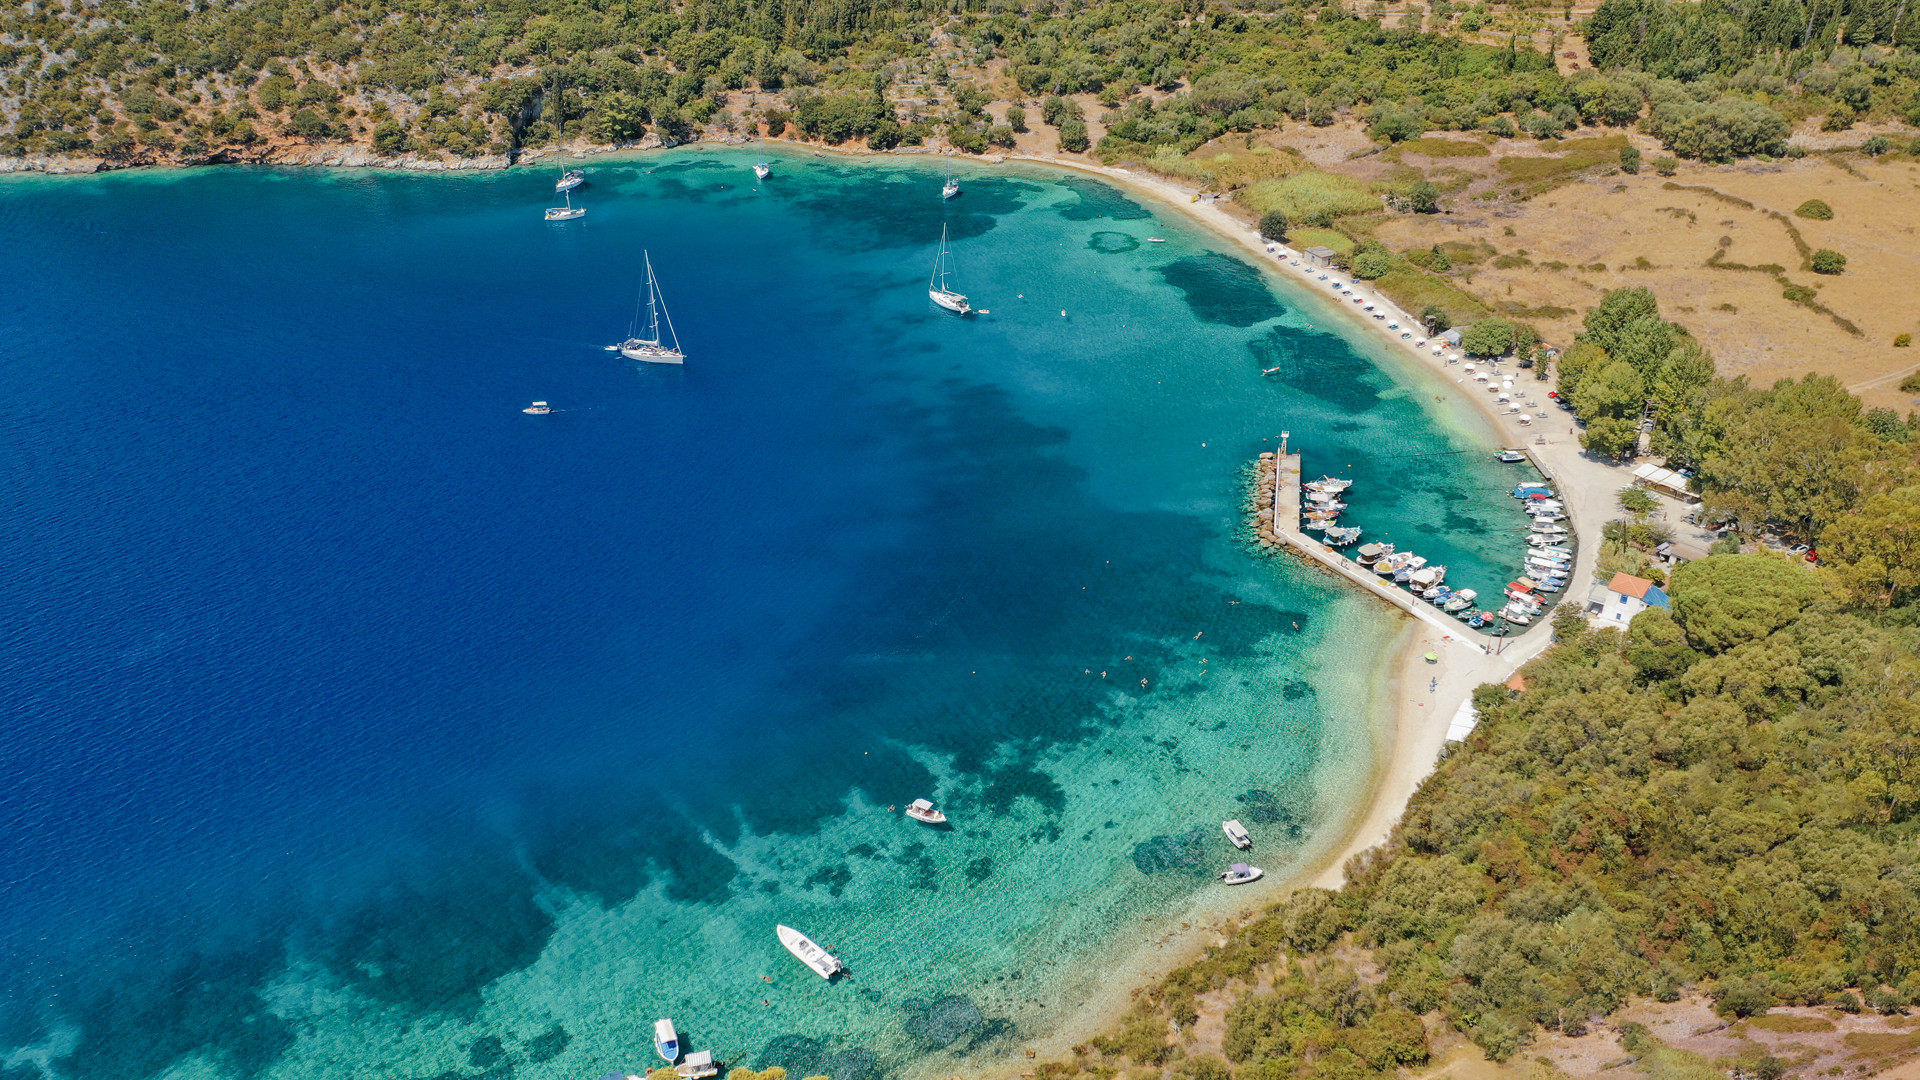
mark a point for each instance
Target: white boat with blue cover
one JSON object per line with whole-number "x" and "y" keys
{"x": 666, "y": 1041}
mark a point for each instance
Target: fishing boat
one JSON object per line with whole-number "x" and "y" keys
{"x": 1371, "y": 553}
{"x": 650, "y": 348}
{"x": 824, "y": 963}
{"x": 1514, "y": 616}
{"x": 1237, "y": 833}
{"x": 761, "y": 170}
{"x": 1479, "y": 619}
{"x": 937, "y": 289}
{"x": 567, "y": 212}
{"x": 1328, "y": 483}
{"x": 666, "y": 1040}
{"x": 1319, "y": 524}
{"x": 1240, "y": 873}
{"x": 570, "y": 179}
{"x": 1387, "y": 565}
{"x": 1546, "y": 528}
{"x": 1435, "y": 594}
{"x": 1462, "y": 600}
{"x": 922, "y": 810}
{"x": 1404, "y": 573}
{"x": 538, "y": 408}
{"x": 1510, "y": 456}
{"x": 1426, "y": 578}
{"x": 1527, "y": 491}
{"x": 1339, "y": 537}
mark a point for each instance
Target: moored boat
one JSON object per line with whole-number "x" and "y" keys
{"x": 1372, "y": 553}
{"x": 937, "y": 288}
{"x": 1240, "y": 873}
{"x": 567, "y": 212}
{"x": 666, "y": 1041}
{"x": 1510, "y": 456}
{"x": 651, "y": 348}
{"x": 1237, "y": 833}
{"x": 761, "y": 170}
{"x": 922, "y": 810}
{"x": 1341, "y": 537}
{"x": 1462, "y": 600}
{"x": 569, "y": 180}
{"x": 824, "y": 963}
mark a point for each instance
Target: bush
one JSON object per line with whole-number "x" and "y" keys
{"x": 1273, "y": 225}
{"x": 776, "y": 121}
{"x": 1630, "y": 159}
{"x": 1017, "y": 118}
{"x": 1742, "y": 997}
{"x": 1839, "y": 118}
{"x": 1666, "y": 166}
{"x": 1369, "y": 265}
{"x": 1073, "y": 136}
{"x": 1828, "y": 261}
{"x": 1901, "y": 341}
{"x": 1814, "y": 210}
{"x": 1488, "y": 337}
{"x": 884, "y": 136}
{"x": 390, "y": 137}
{"x": 1423, "y": 198}
{"x": 1435, "y": 319}
{"x": 1000, "y": 135}
{"x": 1877, "y": 145}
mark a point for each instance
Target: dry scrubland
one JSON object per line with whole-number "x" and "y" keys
{"x": 1539, "y": 231}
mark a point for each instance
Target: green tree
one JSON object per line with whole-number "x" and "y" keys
{"x": 1488, "y": 337}
{"x": 1017, "y": 118}
{"x": 1637, "y": 501}
{"x": 1729, "y": 600}
{"x": 1369, "y": 265}
{"x": 1610, "y": 437}
{"x": 1435, "y": 319}
{"x": 1614, "y": 391}
{"x": 1630, "y": 159}
{"x": 1423, "y": 198}
{"x": 1875, "y": 551}
{"x": 1073, "y": 135}
{"x": 390, "y": 137}
{"x": 1273, "y": 225}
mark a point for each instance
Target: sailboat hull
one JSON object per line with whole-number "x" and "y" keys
{"x": 652, "y": 354}
{"x": 952, "y": 301}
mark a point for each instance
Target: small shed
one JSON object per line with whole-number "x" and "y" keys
{"x": 1451, "y": 337}
{"x": 1665, "y": 481}
{"x": 1319, "y": 256}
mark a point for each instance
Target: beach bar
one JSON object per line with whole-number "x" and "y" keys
{"x": 1665, "y": 481}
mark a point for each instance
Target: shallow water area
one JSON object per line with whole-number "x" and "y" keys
{"x": 372, "y": 727}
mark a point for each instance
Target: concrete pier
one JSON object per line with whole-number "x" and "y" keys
{"x": 1281, "y": 525}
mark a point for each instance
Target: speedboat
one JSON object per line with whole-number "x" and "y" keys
{"x": 567, "y": 212}
{"x": 569, "y": 180}
{"x": 1462, "y": 600}
{"x": 823, "y": 963}
{"x": 1155, "y": 240}
{"x": 666, "y": 1040}
{"x": 1240, "y": 873}
{"x": 538, "y": 408}
{"x": 1237, "y": 833}
{"x": 1511, "y": 457}
{"x": 762, "y": 170}
{"x": 922, "y": 810}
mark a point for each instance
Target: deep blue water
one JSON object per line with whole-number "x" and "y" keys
{"x": 360, "y": 724}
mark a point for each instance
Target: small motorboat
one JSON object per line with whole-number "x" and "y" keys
{"x": 538, "y": 408}
{"x": 698, "y": 1066}
{"x": 762, "y": 170}
{"x": 1341, "y": 537}
{"x": 1328, "y": 483}
{"x": 567, "y": 212}
{"x": 1511, "y": 457}
{"x": 1240, "y": 873}
{"x": 569, "y": 180}
{"x": 1479, "y": 619}
{"x": 666, "y": 1040}
{"x": 1155, "y": 240}
{"x": 1237, "y": 833}
{"x": 922, "y": 810}
{"x": 1270, "y": 371}
{"x": 1462, "y": 600}
{"x": 824, "y": 964}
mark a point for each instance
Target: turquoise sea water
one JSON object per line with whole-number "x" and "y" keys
{"x": 365, "y": 726}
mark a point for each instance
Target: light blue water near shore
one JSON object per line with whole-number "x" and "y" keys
{"x": 362, "y": 725}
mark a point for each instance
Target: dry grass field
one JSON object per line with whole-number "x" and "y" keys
{"x": 1540, "y": 231}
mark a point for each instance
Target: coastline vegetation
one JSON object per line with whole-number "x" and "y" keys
{"x": 1721, "y": 799}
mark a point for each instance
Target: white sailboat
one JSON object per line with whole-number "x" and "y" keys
{"x": 952, "y": 187}
{"x": 569, "y": 180}
{"x": 762, "y": 170}
{"x": 650, "y": 349}
{"x": 824, "y": 963}
{"x": 567, "y": 212}
{"x": 937, "y": 290}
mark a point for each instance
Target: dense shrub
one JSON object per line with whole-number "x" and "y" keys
{"x": 1273, "y": 225}
{"x": 1827, "y": 261}
{"x": 1814, "y": 210}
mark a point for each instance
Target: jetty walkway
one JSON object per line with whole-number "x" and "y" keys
{"x": 1279, "y": 523}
